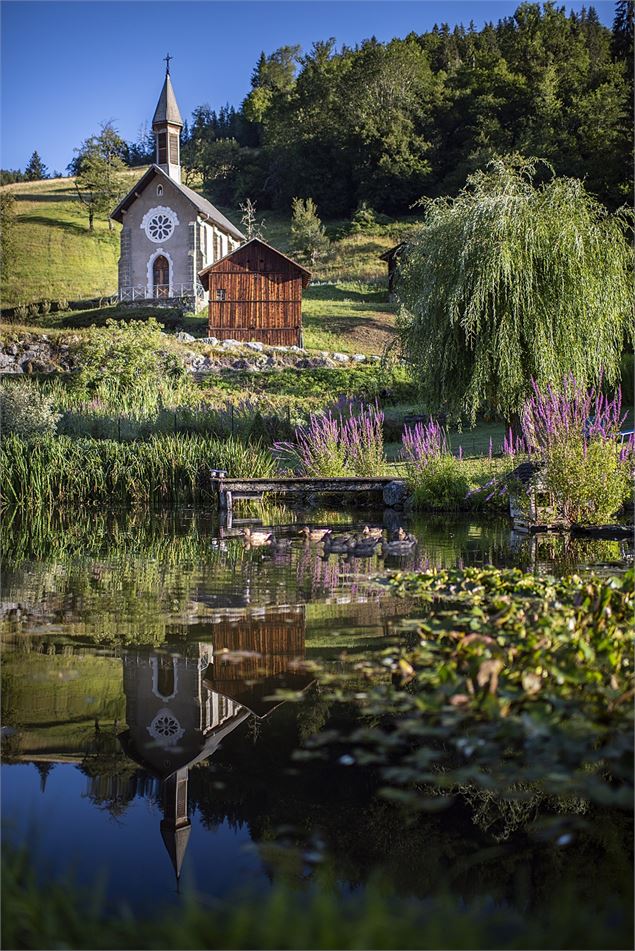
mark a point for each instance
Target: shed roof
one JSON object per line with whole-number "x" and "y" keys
{"x": 167, "y": 110}
{"x": 392, "y": 252}
{"x": 202, "y": 205}
{"x": 203, "y": 275}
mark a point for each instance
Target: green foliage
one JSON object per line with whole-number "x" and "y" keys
{"x": 588, "y": 481}
{"x": 441, "y": 484}
{"x": 58, "y": 470}
{"x": 127, "y": 363}
{"x": 98, "y": 166}
{"x": 513, "y": 686}
{"x": 364, "y": 219}
{"x": 501, "y": 285}
{"x": 36, "y": 169}
{"x": 37, "y": 916}
{"x": 389, "y": 121}
{"x": 308, "y": 238}
{"x": 26, "y": 410}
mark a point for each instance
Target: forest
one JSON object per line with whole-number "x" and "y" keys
{"x": 386, "y": 123}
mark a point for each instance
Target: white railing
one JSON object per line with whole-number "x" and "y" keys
{"x": 161, "y": 292}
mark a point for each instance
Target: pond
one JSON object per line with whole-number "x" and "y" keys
{"x": 147, "y": 746}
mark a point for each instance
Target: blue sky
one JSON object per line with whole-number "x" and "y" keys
{"x": 67, "y": 67}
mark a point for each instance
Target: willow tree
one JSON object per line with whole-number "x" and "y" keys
{"x": 512, "y": 280}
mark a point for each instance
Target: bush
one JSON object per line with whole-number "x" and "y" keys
{"x": 342, "y": 444}
{"x": 441, "y": 484}
{"x": 127, "y": 362}
{"x": 364, "y": 219}
{"x": 33, "y": 309}
{"x": 21, "y": 312}
{"x": 576, "y": 433}
{"x": 45, "y": 307}
{"x": 589, "y": 482}
{"x": 61, "y": 304}
{"x": 26, "y": 410}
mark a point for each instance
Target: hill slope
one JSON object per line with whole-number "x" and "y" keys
{"x": 57, "y": 258}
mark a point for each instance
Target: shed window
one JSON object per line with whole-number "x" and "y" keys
{"x": 159, "y": 190}
{"x": 221, "y": 294}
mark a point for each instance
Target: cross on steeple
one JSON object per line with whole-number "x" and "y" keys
{"x": 167, "y": 63}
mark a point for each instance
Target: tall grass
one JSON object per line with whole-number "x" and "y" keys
{"x": 59, "y": 469}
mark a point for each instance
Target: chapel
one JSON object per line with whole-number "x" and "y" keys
{"x": 169, "y": 233}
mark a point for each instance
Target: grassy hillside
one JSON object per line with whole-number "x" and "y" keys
{"x": 345, "y": 309}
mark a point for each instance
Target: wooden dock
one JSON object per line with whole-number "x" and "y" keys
{"x": 229, "y": 490}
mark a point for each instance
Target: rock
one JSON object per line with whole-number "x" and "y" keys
{"x": 228, "y": 344}
{"x": 294, "y": 349}
{"x": 359, "y": 358}
{"x": 395, "y": 493}
{"x": 184, "y": 337}
{"x": 212, "y": 341}
{"x": 255, "y": 345}
{"x": 340, "y": 357}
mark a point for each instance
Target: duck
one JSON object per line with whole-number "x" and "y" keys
{"x": 372, "y": 532}
{"x": 254, "y": 539}
{"x": 402, "y": 544}
{"x": 364, "y": 547}
{"x": 338, "y": 544}
{"x": 315, "y": 534}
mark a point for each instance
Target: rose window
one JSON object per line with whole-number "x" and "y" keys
{"x": 165, "y": 728}
{"x": 160, "y": 227}
{"x": 159, "y": 223}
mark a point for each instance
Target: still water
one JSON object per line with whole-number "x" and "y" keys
{"x": 145, "y": 743}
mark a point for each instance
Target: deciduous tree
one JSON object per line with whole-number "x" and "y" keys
{"x": 513, "y": 280}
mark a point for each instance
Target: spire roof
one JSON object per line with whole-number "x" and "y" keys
{"x": 167, "y": 109}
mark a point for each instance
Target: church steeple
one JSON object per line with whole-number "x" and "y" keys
{"x": 167, "y": 125}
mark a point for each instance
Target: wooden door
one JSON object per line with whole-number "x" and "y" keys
{"x": 161, "y": 277}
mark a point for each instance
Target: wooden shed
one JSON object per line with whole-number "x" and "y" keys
{"x": 255, "y": 293}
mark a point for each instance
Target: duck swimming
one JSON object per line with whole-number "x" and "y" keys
{"x": 253, "y": 539}
{"x": 315, "y": 534}
{"x": 338, "y": 544}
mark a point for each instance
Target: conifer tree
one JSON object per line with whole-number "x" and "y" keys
{"x": 36, "y": 170}
{"x": 308, "y": 238}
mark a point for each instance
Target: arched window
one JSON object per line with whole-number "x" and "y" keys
{"x": 159, "y": 190}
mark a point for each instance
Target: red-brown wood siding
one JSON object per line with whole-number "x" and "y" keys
{"x": 256, "y": 295}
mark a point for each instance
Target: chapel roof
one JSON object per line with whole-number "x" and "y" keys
{"x": 202, "y": 205}
{"x": 167, "y": 109}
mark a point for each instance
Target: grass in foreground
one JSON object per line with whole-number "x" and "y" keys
{"x": 60, "y": 915}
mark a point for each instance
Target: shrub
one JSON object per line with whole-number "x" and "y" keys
{"x": 441, "y": 484}
{"x": 61, "y": 304}
{"x": 45, "y": 307}
{"x": 33, "y": 309}
{"x": 576, "y": 433}
{"x": 26, "y": 410}
{"x": 21, "y": 312}
{"x": 127, "y": 362}
{"x": 364, "y": 218}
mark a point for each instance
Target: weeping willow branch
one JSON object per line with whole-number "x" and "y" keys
{"x": 512, "y": 280}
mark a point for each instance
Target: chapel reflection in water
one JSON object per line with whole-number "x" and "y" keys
{"x": 180, "y": 706}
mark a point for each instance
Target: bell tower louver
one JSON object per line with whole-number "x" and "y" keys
{"x": 167, "y": 125}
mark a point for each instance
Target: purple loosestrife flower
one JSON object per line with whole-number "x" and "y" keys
{"x": 422, "y": 443}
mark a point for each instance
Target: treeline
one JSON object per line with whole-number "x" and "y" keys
{"x": 388, "y": 122}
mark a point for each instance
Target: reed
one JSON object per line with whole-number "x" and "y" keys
{"x": 61, "y": 470}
